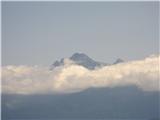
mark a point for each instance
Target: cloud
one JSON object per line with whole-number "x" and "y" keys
{"x": 72, "y": 78}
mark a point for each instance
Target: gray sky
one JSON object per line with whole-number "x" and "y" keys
{"x": 38, "y": 33}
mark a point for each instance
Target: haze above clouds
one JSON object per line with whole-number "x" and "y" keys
{"x": 73, "y": 78}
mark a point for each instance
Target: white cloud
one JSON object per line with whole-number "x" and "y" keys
{"x": 71, "y": 78}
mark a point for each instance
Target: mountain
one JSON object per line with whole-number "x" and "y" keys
{"x": 83, "y": 60}
{"x": 80, "y": 59}
{"x": 127, "y": 103}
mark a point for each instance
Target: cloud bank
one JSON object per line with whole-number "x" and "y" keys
{"x": 73, "y": 78}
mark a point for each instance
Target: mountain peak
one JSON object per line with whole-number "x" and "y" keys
{"x": 80, "y": 59}
{"x": 79, "y": 54}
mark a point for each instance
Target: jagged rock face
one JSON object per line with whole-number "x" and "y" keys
{"x": 83, "y": 60}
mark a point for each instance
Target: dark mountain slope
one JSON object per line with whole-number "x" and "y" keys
{"x": 121, "y": 102}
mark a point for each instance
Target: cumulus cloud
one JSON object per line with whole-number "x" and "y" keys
{"x": 72, "y": 78}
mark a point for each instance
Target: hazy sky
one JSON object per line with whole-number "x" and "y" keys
{"x": 38, "y": 33}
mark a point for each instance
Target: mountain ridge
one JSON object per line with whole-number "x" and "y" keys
{"x": 83, "y": 60}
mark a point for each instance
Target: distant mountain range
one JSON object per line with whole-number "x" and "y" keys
{"x": 83, "y": 60}
{"x": 119, "y": 103}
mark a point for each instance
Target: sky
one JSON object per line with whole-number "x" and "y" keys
{"x": 38, "y": 33}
